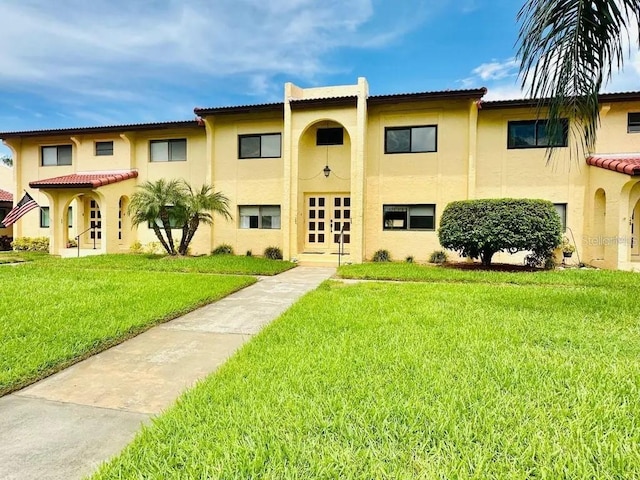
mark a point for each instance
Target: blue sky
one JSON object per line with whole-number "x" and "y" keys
{"x": 77, "y": 63}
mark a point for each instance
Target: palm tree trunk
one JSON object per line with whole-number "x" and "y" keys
{"x": 158, "y": 233}
{"x": 194, "y": 222}
{"x": 164, "y": 218}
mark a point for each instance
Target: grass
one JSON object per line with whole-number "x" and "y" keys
{"x": 52, "y": 317}
{"x": 20, "y": 257}
{"x": 222, "y": 264}
{"x": 428, "y": 273}
{"x": 482, "y": 379}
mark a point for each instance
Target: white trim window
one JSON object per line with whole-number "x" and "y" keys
{"x": 266, "y": 217}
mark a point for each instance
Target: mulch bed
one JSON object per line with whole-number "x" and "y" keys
{"x": 494, "y": 267}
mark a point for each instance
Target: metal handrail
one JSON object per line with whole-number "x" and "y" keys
{"x": 77, "y": 237}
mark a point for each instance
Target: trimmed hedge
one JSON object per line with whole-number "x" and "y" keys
{"x": 481, "y": 228}
{"x": 28, "y": 244}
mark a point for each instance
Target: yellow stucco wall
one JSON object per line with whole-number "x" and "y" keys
{"x": 414, "y": 178}
{"x": 472, "y": 161}
{"x": 246, "y": 182}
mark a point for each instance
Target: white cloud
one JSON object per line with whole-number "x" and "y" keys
{"x": 94, "y": 46}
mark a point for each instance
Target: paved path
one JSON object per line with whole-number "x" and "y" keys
{"x": 64, "y": 426}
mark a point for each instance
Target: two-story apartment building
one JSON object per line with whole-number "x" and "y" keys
{"x": 335, "y": 168}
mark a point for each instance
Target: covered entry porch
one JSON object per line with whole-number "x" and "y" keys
{"x": 97, "y": 221}
{"x": 613, "y": 238}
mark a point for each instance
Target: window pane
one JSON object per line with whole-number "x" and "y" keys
{"x": 49, "y": 156}
{"x": 104, "y": 148}
{"x": 330, "y": 136}
{"x": 423, "y": 139}
{"x": 522, "y": 135}
{"x": 395, "y": 218}
{"x": 70, "y": 217}
{"x": 633, "y": 123}
{"x": 44, "y": 217}
{"x": 249, "y": 217}
{"x": 398, "y": 141}
{"x": 270, "y": 217}
{"x": 422, "y": 217}
{"x": 271, "y": 145}
{"x": 64, "y": 155}
{"x": 159, "y": 151}
{"x": 250, "y": 147}
{"x": 559, "y": 136}
{"x": 561, "y": 208}
{"x": 178, "y": 150}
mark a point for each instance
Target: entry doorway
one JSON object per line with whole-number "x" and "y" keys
{"x": 327, "y": 222}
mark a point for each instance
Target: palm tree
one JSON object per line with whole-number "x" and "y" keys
{"x": 155, "y": 200}
{"x": 568, "y": 50}
{"x": 198, "y": 207}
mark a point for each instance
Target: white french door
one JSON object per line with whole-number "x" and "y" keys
{"x": 327, "y": 219}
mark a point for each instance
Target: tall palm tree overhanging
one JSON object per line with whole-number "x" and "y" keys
{"x": 174, "y": 201}
{"x": 568, "y": 50}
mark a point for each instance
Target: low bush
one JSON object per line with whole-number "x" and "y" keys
{"x": 438, "y": 256}
{"x": 223, "y": 249}
{"x": 249, "y": 253}
{"x": 382, "y": 255}
{"x": 31, "y": 244}
{"x": 136, "y": 247}
{"x": 409, "y": 259}
{"x": 5, "y": 243}
{"x": 273, "y": 253}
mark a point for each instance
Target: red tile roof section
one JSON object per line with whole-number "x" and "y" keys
{"x": 5, "y": 196}
{"x": 623, "y": 163}
{"x": 85, "y": 180}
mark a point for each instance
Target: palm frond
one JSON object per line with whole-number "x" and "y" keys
{"x": 568, "y": 50}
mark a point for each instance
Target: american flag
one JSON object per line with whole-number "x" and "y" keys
{"x": 25, "y": 204}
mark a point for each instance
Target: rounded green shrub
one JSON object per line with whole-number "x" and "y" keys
{"x": 382, "y": 255}
{"x": 438, "y": 256}
{"x": 481, "y": 228}
{"x": 273, "y": 253}
{"x": 223, "y": 249}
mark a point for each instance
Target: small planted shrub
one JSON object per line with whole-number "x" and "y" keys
{"x": 5, "y": 243}
{"x": 382, "y": 255}
{"x": 153, "y": 248}
{"x": 438, "y": 256}
{"x": 72, "y": 243}
{"x": 409, "y": 259}
{"x": 29, "y": 244}
{"x": 544, "y": 260}
{"x": 249, "y": 253}
{"x": 273, "y": 253}
{"x": 136, "y": 247}
{"x": 223, "y": 249}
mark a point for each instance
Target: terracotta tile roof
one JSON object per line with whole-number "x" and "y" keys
{"x": 5, "y": 196}
{"x": 85, "y": 179}
{"x": 628, "y": 163}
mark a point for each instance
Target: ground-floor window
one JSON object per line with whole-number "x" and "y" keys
{"x": 409, "y": 217}
{"x": 259, "y": 216}
{"x": 44, "y": 217}
{"x": 561, "y": 208}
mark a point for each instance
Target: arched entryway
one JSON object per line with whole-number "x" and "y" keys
{"x": 324, "y": 197}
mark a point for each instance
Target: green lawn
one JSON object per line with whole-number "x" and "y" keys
{"x": 224, "y": 264}
{"x": 53, "y": 316}
{"x": 431, "y": 273}
{"x": 483, "y": 379}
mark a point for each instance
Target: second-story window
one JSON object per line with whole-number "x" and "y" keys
{"x": 104, "y": 148}
{"x": 174, "y": 150}
{"x": 56, "y": 155}
{"x": 259, "y": 146}
{"x": 536, "y": 134}
{"x": 420, "y": 139}
{"x": 633, "y": 122}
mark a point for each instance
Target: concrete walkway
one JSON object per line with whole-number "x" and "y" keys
{"x": 64, "y": 426}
